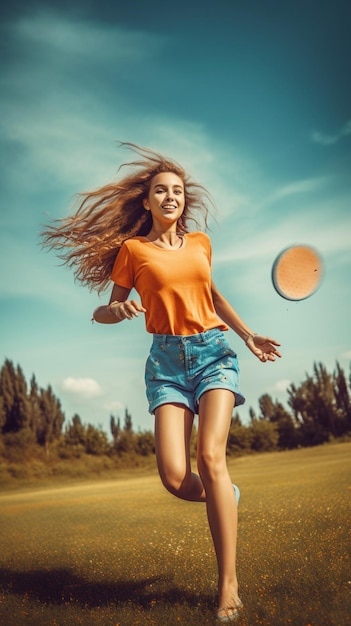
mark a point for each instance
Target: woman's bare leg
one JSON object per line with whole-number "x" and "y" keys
{"x": 216, "y": 407}
{"x": 173, "y": 426}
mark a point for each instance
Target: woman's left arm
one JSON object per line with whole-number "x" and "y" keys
{"x": 261, "y": 346}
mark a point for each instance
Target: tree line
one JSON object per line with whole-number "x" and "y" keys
{"x": 320, "y": 410}
{"x": 32, "y": 415}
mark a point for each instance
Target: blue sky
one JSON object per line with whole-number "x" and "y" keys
{"x": 254, "y": 99}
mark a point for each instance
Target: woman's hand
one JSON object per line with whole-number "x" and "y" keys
{"x": 126, "y": 309}
{"x": 263, "y": 347}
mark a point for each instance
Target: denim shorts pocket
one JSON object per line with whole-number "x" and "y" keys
{"x": 152, "y": 367}
{"x": 224, "y": 345}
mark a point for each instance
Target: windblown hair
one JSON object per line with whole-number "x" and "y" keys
{"x": 90, "y": 240}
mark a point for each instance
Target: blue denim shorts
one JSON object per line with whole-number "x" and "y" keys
{"x": 180, "y": 369}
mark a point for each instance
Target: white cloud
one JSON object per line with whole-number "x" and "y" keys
{"x": 114, "y": 406}
{"x": 328, "y": 140}
{"x": 309, "y": 222}
{"x": 346, "y": 355}
{"x": 296, "y": 187}
{"x": 282, "y": 385}
{"x": 62, "y": 129}
{"x": 101, "y": 42}
{"x": 84, "y": 387}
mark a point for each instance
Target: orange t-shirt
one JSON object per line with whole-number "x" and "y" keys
{"x": 174, "y": 285}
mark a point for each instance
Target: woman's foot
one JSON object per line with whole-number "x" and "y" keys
{"x": 225, "y": 615}
{"x": 230, "y": 613}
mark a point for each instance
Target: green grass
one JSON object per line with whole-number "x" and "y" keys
{"x": 124, "y": 552}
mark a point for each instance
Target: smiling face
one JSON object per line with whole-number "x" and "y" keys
{"x": 166, "y": 200}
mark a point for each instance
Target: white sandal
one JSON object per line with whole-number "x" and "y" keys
{"x": 231, "y": 615}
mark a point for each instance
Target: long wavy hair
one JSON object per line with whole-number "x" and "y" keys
{"x": 89, "y": 240}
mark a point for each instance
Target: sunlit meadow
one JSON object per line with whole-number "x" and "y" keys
{"x": 124, "y": 552}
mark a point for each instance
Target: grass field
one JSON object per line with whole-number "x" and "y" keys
{"x": 126, "y": 553}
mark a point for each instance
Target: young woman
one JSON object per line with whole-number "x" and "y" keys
{"x": 136, "y": 233}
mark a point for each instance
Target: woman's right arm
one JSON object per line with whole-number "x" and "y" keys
{"x": 119, "y": 307}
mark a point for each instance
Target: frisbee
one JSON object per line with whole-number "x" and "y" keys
{"x": 297, "y": 272}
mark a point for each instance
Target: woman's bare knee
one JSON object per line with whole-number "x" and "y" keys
{"x": 211, "y": 465}
{"x": 175, "y": 482}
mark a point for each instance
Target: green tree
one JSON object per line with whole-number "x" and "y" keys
{"x": 2, "y": 414}
{"x": 239, "y": 439}
{"x": 324, "y": 398}
{"x": 145, "y": 443}
{"x": 252, "y": 414}
{"x": 264, "y": 435}
{"x": 288, "y": 436}
{"x": 128, "y": 422}
{"x": 126, "y": 440}
{"x": 288, "y": 432}
{"x": 314, "y": 406}
{"x": 115, "y": 427}
{"x": 96, "y": 441}
{"x": 35, "y": 412}
{"x": 343, "y": 402}
{"x": 51, "y": 418}
{"x": 267, "y": 407}
{"x": 75, "y": 433}
{"x": 15, "y": 402}
{"x": 236, "y": 419}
